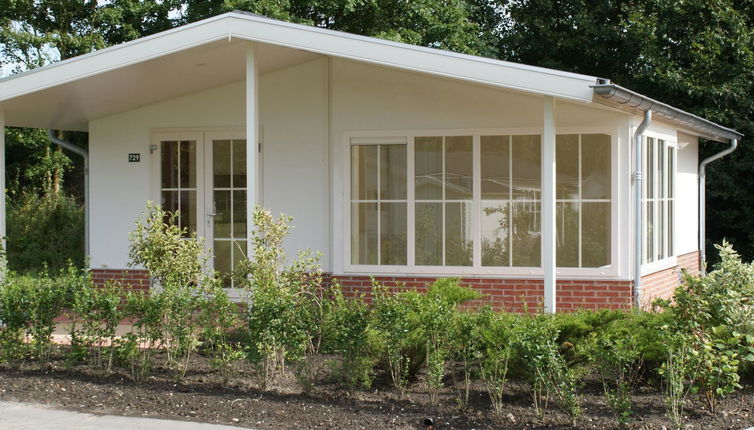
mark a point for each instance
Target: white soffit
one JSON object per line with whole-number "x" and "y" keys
{"x": 209, "y": 53}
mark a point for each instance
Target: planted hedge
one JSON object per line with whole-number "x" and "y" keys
{"x": 701, "y": 342}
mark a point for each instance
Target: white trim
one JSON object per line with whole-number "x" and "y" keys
{"x": 342, "y": 189}
{"x": 2, "y": 181}
{"x": 252, "y": 134}
{"x": 549, "y": 226}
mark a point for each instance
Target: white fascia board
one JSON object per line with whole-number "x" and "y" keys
{"x": 114, "y": 57}
{"x": 327, "y": 42}
{"x": 414, "y": 58}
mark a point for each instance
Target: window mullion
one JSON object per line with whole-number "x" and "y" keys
{"x": 476, "y": 205}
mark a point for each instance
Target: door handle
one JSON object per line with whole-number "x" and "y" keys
{"x": 214, "y": 213}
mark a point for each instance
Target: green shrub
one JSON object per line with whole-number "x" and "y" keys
{"x": 494, "y": 334}
{"x": 280, "y": 311}
{"x": 44, "y": 230}
{"x": 135, "y": 349}
{"x": 218, "y": 316}
{"x": 536, "y": 344}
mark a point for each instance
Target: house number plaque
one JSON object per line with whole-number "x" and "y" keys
{"x": 134, "y": 158}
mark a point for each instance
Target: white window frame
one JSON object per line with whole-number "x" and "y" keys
{"x": 669, "y": 260}
{"x": 476, "y": 269}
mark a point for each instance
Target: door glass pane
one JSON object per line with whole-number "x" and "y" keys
{"x": 458, "y": 167}
{"x": 428, "y": 161}
{"x": 527, "y": 172}
{"x": 187, "y": 164}
{"x": 170, "y": 201}
{"x": 169, "y": 155}
{"x": 222, "y": 218}
{"x": 458, "y": 237}
{"x": 188, "y": 211}
{"x": 495, "y": 238}
{"x": 239, "y": 163}
{"x": 239, "y": 214}
{"x": 495, "y": 174}
{"x": 527, "y": 243}
{"x": 223, "y": 258}
{"x": 364, "y": 235}
{"x": 567, "y": 165}
{"x": 393, "y": 225}
{"x": 221, "y": 163}
{"x": 429, "y": 230}
{"x": 364, "y": 172}
{"x": 596, "y": 235}
{"x": 567, "y": 243}
{"x": 595, "y": 166}
{"x": 393, "y": 172}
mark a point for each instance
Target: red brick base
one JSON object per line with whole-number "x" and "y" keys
{"x": 133, "y": 279}
{"x": 512, "y": 295}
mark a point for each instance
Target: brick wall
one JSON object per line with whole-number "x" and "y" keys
{"x": 663, "y": 283}
{"x": 133, "y": 279}
{"x": 513, "y": 295}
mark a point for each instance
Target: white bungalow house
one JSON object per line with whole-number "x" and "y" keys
{"x": 396, "y": 161}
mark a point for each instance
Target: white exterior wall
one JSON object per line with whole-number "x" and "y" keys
{"x": 687, "y": 195}
{"x": 293, "y": 118}
{"x": 372, "y": 98}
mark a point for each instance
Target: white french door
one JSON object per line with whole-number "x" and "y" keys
{"x": 202, "y": 175}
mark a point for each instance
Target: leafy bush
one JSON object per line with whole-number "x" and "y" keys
{"x": 549, "y": 375}
{"x": 494, "y": 332}
{"x": 217, "y": 317}
{"x": 45, "y": 230}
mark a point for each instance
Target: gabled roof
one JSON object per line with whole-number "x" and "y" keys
{"x": 209, "y": 53}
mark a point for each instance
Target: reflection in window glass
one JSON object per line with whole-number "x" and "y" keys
{"x": 178, "y": 182}
{"x": 657, "y": 200}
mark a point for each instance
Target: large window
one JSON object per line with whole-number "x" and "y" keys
{"x": 657, "y": 201}
{"x": 475, "y": 201}
{"x": 583, "y": 192}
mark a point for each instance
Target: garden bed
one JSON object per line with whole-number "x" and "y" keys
{"x": 202, "y": 397}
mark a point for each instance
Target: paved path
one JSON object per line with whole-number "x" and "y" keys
{"x": 22, "y": 416}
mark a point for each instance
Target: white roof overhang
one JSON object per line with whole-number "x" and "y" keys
{"x": 209, "y": 53}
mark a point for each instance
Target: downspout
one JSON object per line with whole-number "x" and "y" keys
{"x": 702, "y": 218}
{"x": 73, "y": 148}
{"x": 637, "y": 205}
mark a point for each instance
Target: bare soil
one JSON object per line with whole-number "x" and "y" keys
{"x": 201, "y": 396}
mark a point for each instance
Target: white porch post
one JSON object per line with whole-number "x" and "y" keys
{"x": 548, "y": 204}
{"x": 252, "y": 125}
{"x": 2, "y": 178}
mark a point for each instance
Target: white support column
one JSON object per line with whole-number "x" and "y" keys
{"x": 252, "y": 141}
{"x": 2, "y": 178}
{"x": 548, "y": 204}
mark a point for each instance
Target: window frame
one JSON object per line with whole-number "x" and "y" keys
{"x": 476, "y": 269}
{"x": 669, "y": 260}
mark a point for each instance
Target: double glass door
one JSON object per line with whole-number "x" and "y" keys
{"x": 203, "y": 178}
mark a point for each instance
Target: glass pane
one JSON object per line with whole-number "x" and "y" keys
{"x": 671, "y": 250}
{"x": 187, "y": 176}
{"x": 595, "y": 237}
{"x": 661, "y": 191}
{"x": 495, "y": 240}
{"x": 567, "y": 164}
{"x": 649, "y": 170}
{"x": 527, "y": 172}
{"x": 393, "y": 172}
{"x": 428, "y": 161}
{"x": 527, "y": 245}
{"x": 660, "y": 225}
{"x": 458, "y": 167}
{"x": 221, "y": 221}
{"x": 364, "y": 233}
{"x": 188, "y": 211}
{"x": 595, "y": 166}
{"x": 169, "y": 155}
{"x": 364, "y": 172}
{"x": 458, "y": 238}
{"x": 239, "y": 163}
{"x": 644, "y": 253}
{"x": 169, "y": 203}
{"x": 221, "y": 163}
{"x": 649, "y": 221}
{"x": 393, "y": 224}
{"x": 429, "y": 234}
{"x": 239, "y": 252}
{"x": 495, "y": 167}
{"x": 567, "y": 239}
{"x": 223, "y": 259}
{"x": 239, "y": 214}
{"x": 671, "y": 172}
